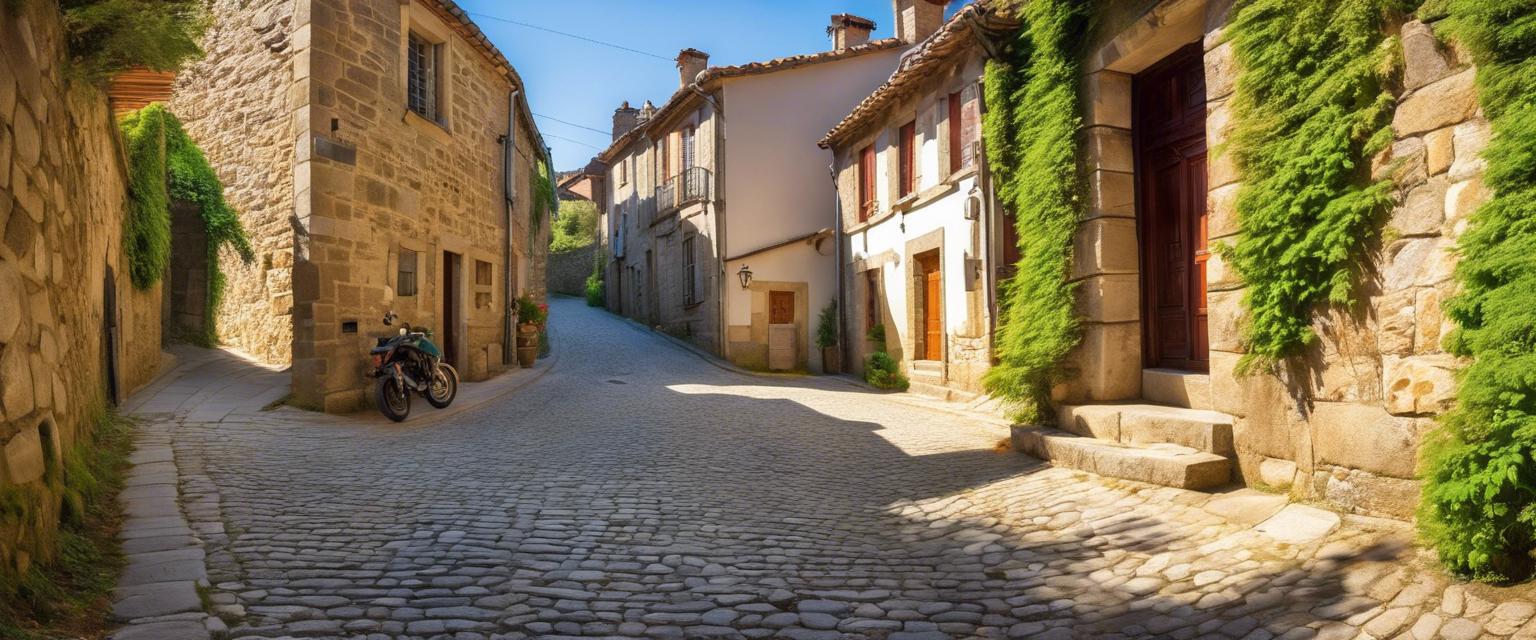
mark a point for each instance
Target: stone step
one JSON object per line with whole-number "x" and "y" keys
{"x": 1177, "y": 388}
{"x": 928, "y": 367}
{"x": 931, "y": 388}
{"x": 1198, "y": 429}
{"x": 1168, "y": 465}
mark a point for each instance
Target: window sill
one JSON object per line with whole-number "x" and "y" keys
{"x": 435, "y": 129}
{"x": 956, "y": 177}
{"x": 689, "y": 306}
{"x": 860, "y": 226}
{"x": 905, "y": 202}
{"x": 918, "y": 200}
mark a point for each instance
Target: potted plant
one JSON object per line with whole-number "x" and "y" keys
{"x": 530, "y": 318}
{"x": 826, "y": 339}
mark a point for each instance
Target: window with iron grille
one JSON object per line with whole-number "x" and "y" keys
{"x": 423, "y": 66}
{"x": 405, "y": 280}
{"x": 690, "y": 270}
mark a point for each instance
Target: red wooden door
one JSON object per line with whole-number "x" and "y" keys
{"x": 933, "y": 318}
{"x": 1170, "y": 157}
{"x": 781, "y": 307}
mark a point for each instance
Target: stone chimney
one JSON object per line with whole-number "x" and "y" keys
{"x": 689, "y": 63}
{"x": 849, "y": 30}
{"x": 918, "y": 19}
{"x": 624, "y": 118}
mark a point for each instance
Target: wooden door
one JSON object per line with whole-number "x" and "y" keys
{"x": 1169, "y": 129}
{"x": 449, "y": 330}
{"x": 781, "y": 307}
{"x": 933, "y": 311}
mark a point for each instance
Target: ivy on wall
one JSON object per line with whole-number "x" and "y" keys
{"x": 541, "y": 187}
{"x": 110, "y": 36}
{"x": 1313, "y": 103}
{"x": 165, "y": 164}
{"x": 1479, "y": 502}
{"x": 1030, "y": 132}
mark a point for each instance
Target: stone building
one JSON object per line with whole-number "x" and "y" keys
{"x": 721, "y": 217}
{"x": 381, "y": 156}
{"x": 923, "y": 243}
{"x": 75, "y": 335}
{"x": 1344, "y": 424}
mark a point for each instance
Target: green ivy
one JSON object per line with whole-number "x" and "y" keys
{"x": 1313, "y": 104}
{"x": 165, "y": 165}
{"x": 1479, "y": 501}
{"x": 110, "y": 36}
{"x": 541, "y": 188}
{"x": 1030, "y": 130}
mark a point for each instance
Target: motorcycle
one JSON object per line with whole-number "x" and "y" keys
{"x": 410, "y": 363}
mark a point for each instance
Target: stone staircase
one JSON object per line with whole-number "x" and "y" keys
{"x": 1171, "y": 438}
{"x": 927, "y": 380}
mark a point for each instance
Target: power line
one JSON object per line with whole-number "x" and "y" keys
{"x": 569, "y": 35}
{"x": 551, "y": 135}
{"x": 579, "y": 126}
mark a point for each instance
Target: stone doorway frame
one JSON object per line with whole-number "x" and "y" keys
{"x": 1107, "y": 364}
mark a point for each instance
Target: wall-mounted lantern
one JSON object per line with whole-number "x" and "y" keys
{"x": 746, "y": 276}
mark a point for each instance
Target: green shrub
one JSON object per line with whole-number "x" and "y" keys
{"x": 165, "y": 165}
{"x": 1030, "y": 133}
{"x": 110, "y": 36}
{"x": 881, "y": 371}
{"x": 826, "y": 326}
{"x": 576, "y": 228}
{"x": 1479, "y": 498}
{"x": 1312, "y": 105}
{"x": 876, "y": 334}
{"x": 596, "y": 293}
{"x": 532, "y": 312}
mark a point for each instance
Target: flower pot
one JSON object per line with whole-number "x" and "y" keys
{"x": 527, "y": 344}
{"x": 831, "y": 360}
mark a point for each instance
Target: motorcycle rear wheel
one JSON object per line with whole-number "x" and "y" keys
{"x": 444, "y": 386}
{"x": 394, "y": 400}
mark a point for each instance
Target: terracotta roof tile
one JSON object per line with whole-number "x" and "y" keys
{"x": 955, "y": 37}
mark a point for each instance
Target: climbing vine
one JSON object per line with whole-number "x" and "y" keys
{"x": 541, "y": 188}
{"x": 1030, "y": 132}
{"x": 1479, "y": 504}
{"x": 165, "y": 165}
{"x": 1313, "y": 103}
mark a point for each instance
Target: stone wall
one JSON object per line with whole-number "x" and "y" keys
{"x": 375, "y": 179}
{"x": 568, "y": 270}
{"x": 1344, "y": 422}
{"x": 62, "y": 195}
{"x": 237, "y": 105}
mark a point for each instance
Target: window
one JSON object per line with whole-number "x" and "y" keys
{"x": 624, "y": 170}
{"x": 405, "y": 280}
{"x": 482, "y": 273}
{"x": 866, "y": 182}
{"x": 423, "y": 69}
{"x": 906, "y": 165}
{"x": 690, "y": 270}
{"x": 688, "y": 148}
{"x": 871, "y": 298}
{"x": 956, "y": 149}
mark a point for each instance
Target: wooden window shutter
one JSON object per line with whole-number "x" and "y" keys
{"x": 956, "y": 133}
{"x": 866, "y": 182}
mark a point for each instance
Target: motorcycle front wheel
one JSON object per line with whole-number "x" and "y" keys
{"x": 444, "y": 386}
{"x": 394, "y": 400}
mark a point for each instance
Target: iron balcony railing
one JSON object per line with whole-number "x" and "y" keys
{"x": 692, "y": 185}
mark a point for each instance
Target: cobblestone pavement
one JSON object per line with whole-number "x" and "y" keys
{"x": 638, "y": 490}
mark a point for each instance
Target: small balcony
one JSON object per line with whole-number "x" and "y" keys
{"x": 692, "y": 185}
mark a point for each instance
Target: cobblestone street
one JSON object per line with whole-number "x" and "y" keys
{"x": 638, "y": 490}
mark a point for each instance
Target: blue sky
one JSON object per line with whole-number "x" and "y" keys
{"x": 582, "y": 83}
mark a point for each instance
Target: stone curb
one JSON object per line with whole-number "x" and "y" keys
{"x": 157, "y": 594}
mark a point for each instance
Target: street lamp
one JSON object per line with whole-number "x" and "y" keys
{"x": 746, "y": 276}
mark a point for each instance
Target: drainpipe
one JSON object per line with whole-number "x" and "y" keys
{"x": 837, "y": 236}
{"x": 508, "y": 199}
